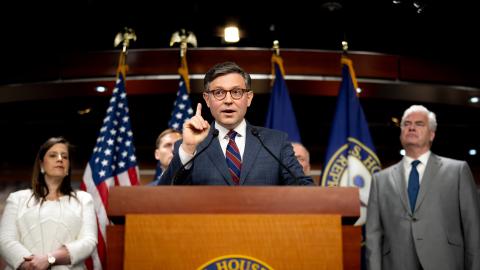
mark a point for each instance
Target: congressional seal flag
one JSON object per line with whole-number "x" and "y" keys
{"x": 351, "y": 158}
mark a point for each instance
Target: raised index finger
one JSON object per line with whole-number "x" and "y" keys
{"x": 199, "y": 109}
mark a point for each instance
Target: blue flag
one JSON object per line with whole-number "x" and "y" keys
{"x": 351, "y": 158}
{"x": 182, "y": 107}
{"x": 280, "y": 113}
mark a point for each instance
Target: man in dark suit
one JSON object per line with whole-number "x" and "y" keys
{"x": 237, "y": 156}
{"x": 164, "y": 152}
{"x": 423, "y": 212}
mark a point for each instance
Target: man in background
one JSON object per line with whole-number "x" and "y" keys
{"x": 303, "y": 156}
{"x": 164, "y": 151}
{"x": 423, "y": 212}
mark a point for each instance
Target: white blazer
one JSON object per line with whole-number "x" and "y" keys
{"x": 28, "y": 228}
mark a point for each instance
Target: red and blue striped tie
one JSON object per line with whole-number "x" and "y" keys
{"x": 234, "y": 160}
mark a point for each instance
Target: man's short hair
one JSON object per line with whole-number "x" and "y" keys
{"x": 163, "y": 134}
{"x": 432, "y": 119}
{"x": 224, "y": 69}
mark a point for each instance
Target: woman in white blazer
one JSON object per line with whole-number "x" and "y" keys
{"x": 49, "y": 225}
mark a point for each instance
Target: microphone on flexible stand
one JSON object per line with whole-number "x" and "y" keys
{"x": 257, "y": 135}
{"x": 182, "y": 169}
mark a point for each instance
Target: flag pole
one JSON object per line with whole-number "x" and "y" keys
{"x": 113, "y": 161}
{"x": 345, "y": 60}
{"x": 184, "y": 38}
{"x": 182, "y": 107}
{"x": 124, "y": 38}
{"x": 276, "y": 59}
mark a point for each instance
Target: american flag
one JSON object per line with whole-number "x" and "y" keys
{"x": 182, "y": 107}
{"x": 113, "y": 163}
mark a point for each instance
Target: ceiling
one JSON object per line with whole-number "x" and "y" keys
{"x": 45, "y": 32}
{"x": 38, "y": 31}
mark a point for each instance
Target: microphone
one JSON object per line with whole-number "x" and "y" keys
{"x": 177, "y": 174}
{"x": 255, "y": 133}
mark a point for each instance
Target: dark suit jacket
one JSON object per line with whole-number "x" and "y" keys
{"x": 258, "y": 166}
{"x": 444, "y": 229}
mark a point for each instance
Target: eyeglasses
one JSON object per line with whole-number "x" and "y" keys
{"x": 220, "y": 94}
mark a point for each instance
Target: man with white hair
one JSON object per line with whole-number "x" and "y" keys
{"x": 423, "y": 212}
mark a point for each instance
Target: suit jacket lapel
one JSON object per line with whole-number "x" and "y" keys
{"x": 398, "y": 177}
{"x": 431, "y": 170}
{"x": 216, "y": 156}
{"x": 252, "y": 147}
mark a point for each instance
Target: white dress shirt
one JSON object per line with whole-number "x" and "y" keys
{"x": 241, "y": 130}
{"x": 407, "y": 165}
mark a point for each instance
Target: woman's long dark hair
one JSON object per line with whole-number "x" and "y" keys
{"x": 39, "y": 187}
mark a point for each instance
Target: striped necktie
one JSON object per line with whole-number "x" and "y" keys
{"x": 234, "y": 160}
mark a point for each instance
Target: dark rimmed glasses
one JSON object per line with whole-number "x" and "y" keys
{"x": 220, "y": 94}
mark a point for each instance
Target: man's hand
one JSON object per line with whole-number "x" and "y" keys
{"x": 195, "y": 130}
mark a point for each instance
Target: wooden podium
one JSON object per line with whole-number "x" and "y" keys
{"x": 184, "y": 227}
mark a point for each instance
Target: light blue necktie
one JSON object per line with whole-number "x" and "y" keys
{"x": 413, "y": 184}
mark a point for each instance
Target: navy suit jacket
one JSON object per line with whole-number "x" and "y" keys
{"x": 258, "y": 166}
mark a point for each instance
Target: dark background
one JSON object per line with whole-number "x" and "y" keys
{"x": 445, "y": 30}
{"x": 37, "y": 35}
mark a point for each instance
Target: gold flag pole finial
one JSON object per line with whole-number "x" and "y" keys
{"x": 276, "y": 59}
{"x": 344, "y": 47}
{"x": 276, "y": 47}
{"x": 184, "y": 38}
{"x": 124, "y": 38}
{"x": 345, "y": 60}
